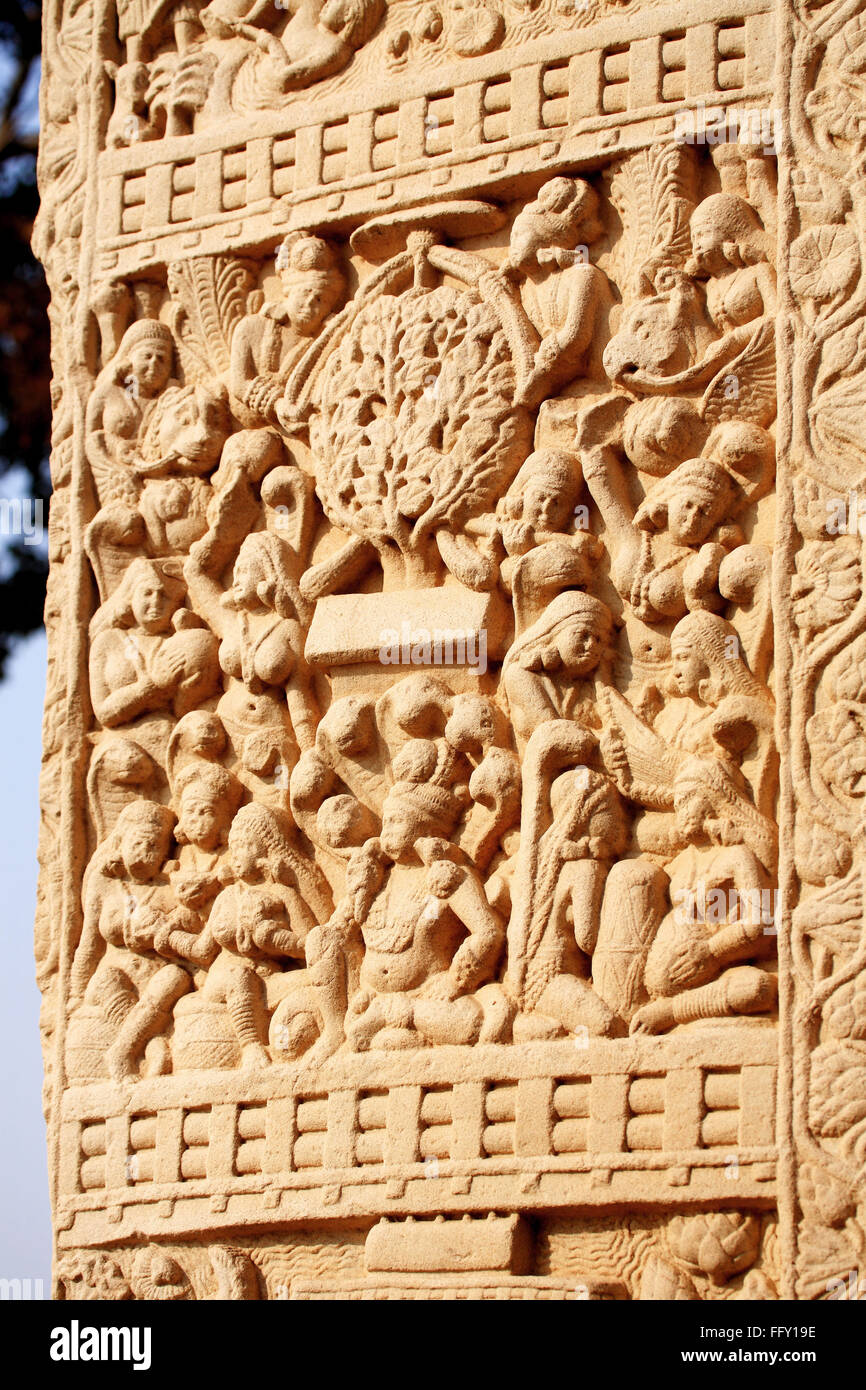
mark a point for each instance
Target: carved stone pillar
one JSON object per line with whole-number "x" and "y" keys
{"x": 455, "y": 740}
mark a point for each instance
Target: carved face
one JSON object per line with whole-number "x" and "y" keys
{"x": 692, "y": 516}
{"x": 152, "y": 605}
{"x": 244, "y": 854}
{"x": 544, "y": 506}
{"x": 202, "y": 820}
{"x": 308, "y": 299}
{"x": 580, "y": 645}
{"x": 246, "y": 577}
{"x": 688, "y": 669}
{"x": 144, "y": 848}
{"x": 150, "y": 365}
{"x": 707, "y": 242}
{"x": 399, "y": 829}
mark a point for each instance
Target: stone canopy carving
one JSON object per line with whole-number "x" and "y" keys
{"x": 442, "y": 425}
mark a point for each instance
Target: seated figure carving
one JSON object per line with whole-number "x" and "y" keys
{"x": 409, "y": 955}
{"x": 149, "y": 653}
{"x": 701, "y": 964}
{"x": 257, "y": 923}
{"x": 123, "y": 969}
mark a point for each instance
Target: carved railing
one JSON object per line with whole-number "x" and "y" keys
{"x": 330, "y": 162}
{"x": 449, "y": 1130}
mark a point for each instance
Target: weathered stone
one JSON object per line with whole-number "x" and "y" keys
{"x": 450, "y": 400}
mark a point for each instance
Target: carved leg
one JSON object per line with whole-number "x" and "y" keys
{"x": 361, "y": 1031}
{"x": 245, "y": 1003}
{"x": 246, "y": 458}
{"x": 112, "y": 992}
{"x": 575, "y": 1004}
{"x": 743, "y": 990}
{"x": 146, "y": 1019}
{"x": 635, "y": 902}
{"x": 443, "y": 1021}
{"x": 327, "y": 969}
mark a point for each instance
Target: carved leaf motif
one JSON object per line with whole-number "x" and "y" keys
{"x": 831, "y": 1257}
{"x": 844, "y": 355}
{"x": 829, "y": 586}
{"x": 836, "y": 420}
{"x": 845, "y": 1014}
{"x": 824, "y": 263}
{"x": 837, "y": 1102}
{"x": 654, "y": 193}
{"x": 211, "y": 299}
{"x": 834, "y": 917}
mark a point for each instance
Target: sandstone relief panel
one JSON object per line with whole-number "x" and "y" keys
{"x": 415, "y": 841}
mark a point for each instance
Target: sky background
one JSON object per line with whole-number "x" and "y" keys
{"x": 25, "y": 1222}
{"x": 25, "y": 1219}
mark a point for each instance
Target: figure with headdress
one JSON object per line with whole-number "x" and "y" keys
{"x": 573, "y": 825}
{"x": 706, "y": 958}
{"x": 258, "y": 923}
{"x": 669, "y": 963}
{"x": 181, "y": 445}
{"x": 123, "y": 973}
{"x": 669, "y": 549}
{"x": 121, "y": 405}
{"x": 267, "y": 345}
{"x": 555, "y": 669}
{"x": 730, "y": 253}
{"x": 148, "y": 652}
{"x": 689, "y": 523}
{"x": 563, "y": 294}
{"x": 206, "y": 796}
{"x": 543, "y": 553}
{"x": 726, "y": 288}
{"x": 408, "y": 956}
{"x": 178, "y": 447}
{"x": 716, "y": 708}
{"x": 268, "y": 707}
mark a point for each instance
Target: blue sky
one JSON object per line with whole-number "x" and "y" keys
{"x": 25, "y": 1223}
{"x": 25, "y": 1226}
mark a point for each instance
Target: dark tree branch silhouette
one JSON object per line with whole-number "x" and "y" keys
{"x": 25, "y": 374}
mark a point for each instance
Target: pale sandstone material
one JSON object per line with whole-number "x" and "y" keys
{"x": 421, "y": 795}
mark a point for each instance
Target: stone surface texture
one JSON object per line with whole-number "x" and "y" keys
{"x": 455, "y": 743}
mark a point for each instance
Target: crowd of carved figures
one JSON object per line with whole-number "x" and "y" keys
{"x": 569, "y": 420}
{"x": 562, "y": 407}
